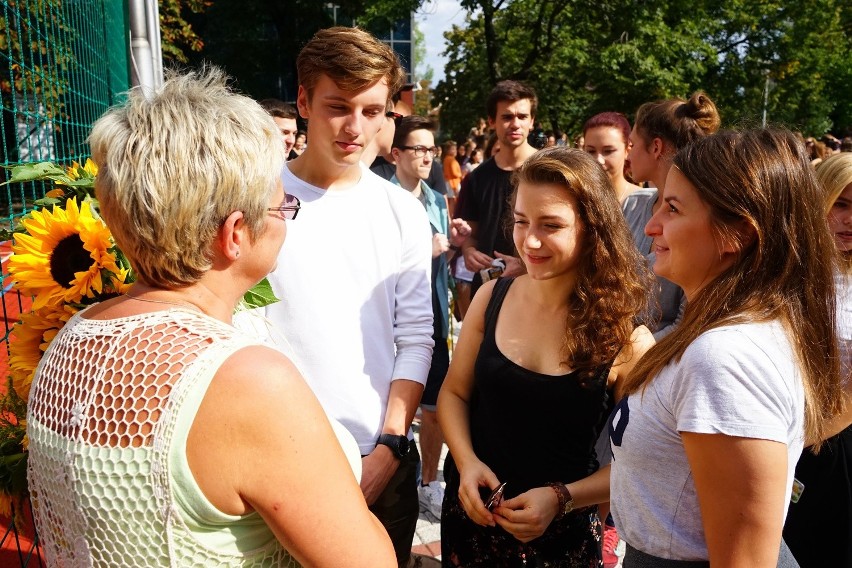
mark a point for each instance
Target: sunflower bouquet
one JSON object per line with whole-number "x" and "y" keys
{"x": 64, "y": 258}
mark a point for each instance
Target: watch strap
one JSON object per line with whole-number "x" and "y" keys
{"x": 566, "y": 502}
{"x": 396, "y": 444}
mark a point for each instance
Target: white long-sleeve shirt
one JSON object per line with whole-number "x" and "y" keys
{"x": 356, "y": 307}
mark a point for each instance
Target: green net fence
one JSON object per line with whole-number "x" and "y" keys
{"x": 62, "y": 64}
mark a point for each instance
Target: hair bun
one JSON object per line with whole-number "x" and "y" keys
{"x": 703, "y": 111}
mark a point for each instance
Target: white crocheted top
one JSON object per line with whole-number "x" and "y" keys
{"x": 108, "y": 416}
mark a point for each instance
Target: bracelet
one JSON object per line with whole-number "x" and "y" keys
{"x": 454, "y": 248}
{"x": 566, "y": 502}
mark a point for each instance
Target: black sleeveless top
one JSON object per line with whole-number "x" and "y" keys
{"x": 531, "y": 428}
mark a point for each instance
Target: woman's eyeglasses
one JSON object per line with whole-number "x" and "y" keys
{"x": 290, "y": 208}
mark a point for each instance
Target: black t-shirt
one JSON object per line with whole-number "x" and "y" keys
{"x": 484, "y": 199}
{"x": 383, "y": 168}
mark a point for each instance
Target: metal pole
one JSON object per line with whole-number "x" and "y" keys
{"x": 153, "y": 13}
{"x": 765, "y": 98}
{"x": 145, "y": 55}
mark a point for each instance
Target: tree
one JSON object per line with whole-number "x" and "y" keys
{"x": 176, "y": 33}
{"x": 614, "y": 55}
{"x": 257, "y": 41}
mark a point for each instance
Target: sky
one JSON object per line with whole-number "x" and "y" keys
{"x": 433, "y": 19}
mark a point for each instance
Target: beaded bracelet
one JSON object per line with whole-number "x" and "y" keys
{"x": 566, "y": 502}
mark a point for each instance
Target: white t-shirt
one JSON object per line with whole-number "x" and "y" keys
{"x": 739, "y": 380}
{"x": 354, "y": 282}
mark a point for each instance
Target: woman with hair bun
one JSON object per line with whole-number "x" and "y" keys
{"x": 660, "y": 130}
{"x": 714, "y": 417}
{"x": 606, "y": 136}
{"x": 823, "y": 513}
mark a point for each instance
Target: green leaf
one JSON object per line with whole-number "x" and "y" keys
{"x": 47, "y": 202}
{"x": 33, "y": 172}
{"x": 259, "y": 296}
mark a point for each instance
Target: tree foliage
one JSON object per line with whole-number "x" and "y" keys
{"x": 584, "y": 58}
{"x": 176, "y": 33}
{"x": 257, "y": 41}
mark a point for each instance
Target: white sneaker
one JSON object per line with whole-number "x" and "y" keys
{"x": 431, "y": 498}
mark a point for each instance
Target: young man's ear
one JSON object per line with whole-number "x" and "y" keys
{"x": 302, "y": 103}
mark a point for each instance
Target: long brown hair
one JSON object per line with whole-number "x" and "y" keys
{"x": 762, "y": 196}
{"x": 611, "y": 279}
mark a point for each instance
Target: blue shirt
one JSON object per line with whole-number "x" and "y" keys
{"x": 436, "y": 210}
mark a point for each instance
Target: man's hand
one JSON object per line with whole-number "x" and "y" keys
{"x": 440, "y": 244}
{"x": 514, "y": 266}
{"x": 459, "y": 232}
{"x": 377, "y": 468}
{"x": 476, "y": 260}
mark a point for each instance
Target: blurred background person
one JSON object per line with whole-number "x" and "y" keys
{"x": 660, "y": 130}
{"x": 299, "y": 146}
{"x": 284, "y": 116}
{"x": 607, "y": 139}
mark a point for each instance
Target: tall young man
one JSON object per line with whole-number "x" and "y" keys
{"x": 484, "y": 199}
{"x": 413, "y": 151}
{"x": 355, "y": 276}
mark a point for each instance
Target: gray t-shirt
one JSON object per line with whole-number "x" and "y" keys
{"x": 738, "y": 380}
{"x": 667, "y": 306}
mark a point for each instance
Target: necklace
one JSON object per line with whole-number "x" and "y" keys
{"x": 173, "y": 303}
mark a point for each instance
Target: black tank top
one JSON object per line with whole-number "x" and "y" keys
{"x": 531, "y": 428}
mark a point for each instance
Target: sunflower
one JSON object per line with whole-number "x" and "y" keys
{"x": 89, "y": 171}
{"x": 29, "y": 340}
{"x": 62, "y": 254}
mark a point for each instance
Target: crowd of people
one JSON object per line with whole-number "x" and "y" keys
{"x": 656, "y": 337}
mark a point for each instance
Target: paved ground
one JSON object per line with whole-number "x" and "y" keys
{"x": 427, "y": 536}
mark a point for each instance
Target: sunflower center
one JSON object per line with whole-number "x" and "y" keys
{"x": 69, "y": 257}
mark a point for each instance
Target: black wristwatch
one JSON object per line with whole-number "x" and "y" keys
{"x": 399, "y": 445}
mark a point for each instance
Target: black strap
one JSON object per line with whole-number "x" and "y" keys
{"x": 501, "y": 287}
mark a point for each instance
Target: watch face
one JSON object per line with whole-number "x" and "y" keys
{"x": 403, "y": 446}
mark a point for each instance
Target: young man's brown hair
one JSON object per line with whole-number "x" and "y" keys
{"x": 510, "y": 91}
{"x": 278, "y": 109}
{"x": 350, "y": 57}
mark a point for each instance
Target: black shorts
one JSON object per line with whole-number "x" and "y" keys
{"x": 437, "y": 372}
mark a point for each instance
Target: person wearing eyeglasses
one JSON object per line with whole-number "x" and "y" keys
{"x": 414, "y": 152}
{"x": 378, "y": 155}
{"x": 355, "y": 278}
{"x": 160, "y": 435}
